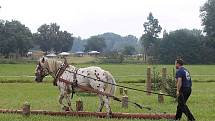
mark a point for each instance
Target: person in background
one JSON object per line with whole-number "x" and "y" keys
{"x": 184, "y": 84}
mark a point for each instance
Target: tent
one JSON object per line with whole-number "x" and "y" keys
{"x": 64, "y": 54}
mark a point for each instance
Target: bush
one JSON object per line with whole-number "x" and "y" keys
{"x": 169, "y": 84}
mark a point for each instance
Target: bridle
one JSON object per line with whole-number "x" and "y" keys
{"x": 42, "y": 70}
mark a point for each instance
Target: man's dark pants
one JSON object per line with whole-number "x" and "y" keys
{"x": 182, "y": 107}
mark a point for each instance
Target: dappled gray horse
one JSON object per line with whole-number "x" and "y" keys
{"x": 88, "y": 77}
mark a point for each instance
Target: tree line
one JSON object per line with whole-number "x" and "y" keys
{"x": 194, "y": 46}
{"x": 16, "y": 39}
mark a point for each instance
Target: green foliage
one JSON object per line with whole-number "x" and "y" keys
{"x": 181, "y": 43}
{"x": 95, "y": 43}
{"x": 207, "y": 13}
{"x": 15, "y": 38}
{"x": 49, "y": 37}
{"x": 152, "y": 27}
{"x": 129, "y": 50}
{"x": 169, "y": 84}
{"x": 149, "y": 38}
{"x": 207, "y": 49}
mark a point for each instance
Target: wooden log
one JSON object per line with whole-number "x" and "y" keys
{"x": 125, "y": 91}
{"x": 149, "y": 81}
{"x": 26, "y": 109}
{"x": 121, "y": 91}
{"x": 79, "y": 105}
{"x": 125, "y": 101}
{"x": 95, "y": 114}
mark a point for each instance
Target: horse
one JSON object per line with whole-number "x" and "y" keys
{"x": 88, "y": 77}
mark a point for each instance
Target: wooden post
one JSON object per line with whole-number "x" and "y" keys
{"x": 163, "y": 82}
{"x": 121, "y": 91}
{"x": 149, "y": 81}
{"x": 26, "y": 109}
{"x": 164, "y": 76}
{"x": 160, "y": 98}
{"x": 125, "y": 101}
{"x": 79, "y": 105}
{"x": 125, "y": 91}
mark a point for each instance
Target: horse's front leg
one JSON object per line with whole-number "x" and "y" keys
{"x": 64, "y": 95}
{"x": 101, "y": 103}
{"x": 68, "y": 100}
{"x": 60, "y": 100}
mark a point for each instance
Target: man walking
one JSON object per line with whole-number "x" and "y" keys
{"x": 184, "y": 84}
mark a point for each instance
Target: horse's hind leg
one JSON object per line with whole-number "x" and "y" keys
{"x": 101, "y": 103}
{"x": 107, "y": 104}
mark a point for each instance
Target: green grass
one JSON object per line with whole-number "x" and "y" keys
{"x": 121, "y": 72}
{"x": 44, "y": 96}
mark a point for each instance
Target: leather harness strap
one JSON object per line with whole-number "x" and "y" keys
{"x": 88, "y": 89}
{"x": 59, "y": 73}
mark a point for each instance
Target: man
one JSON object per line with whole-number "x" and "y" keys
{"x": 184, "y": 85}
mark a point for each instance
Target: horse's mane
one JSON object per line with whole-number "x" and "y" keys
{"x": 53, "y": 64}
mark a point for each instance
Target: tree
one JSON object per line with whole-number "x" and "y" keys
{"x": 151, "y": 31}
{"x": 15, "y": 38}
{"x": 207, "y": 14}
{"x": 181, "y": 43}
{"x": 49, "y": 37}
{"x": 129, "y": 50}
{"x": 207, "y": 50}
{"x": 95, "y": 43}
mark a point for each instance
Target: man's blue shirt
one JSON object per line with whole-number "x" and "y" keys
{"x": 185, "y": 75}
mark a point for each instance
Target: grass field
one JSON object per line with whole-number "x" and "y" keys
{"x": 44, "y": 96}
{"x": 121, "y": 72}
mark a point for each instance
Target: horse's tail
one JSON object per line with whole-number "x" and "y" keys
{"x": 111, "y": 87}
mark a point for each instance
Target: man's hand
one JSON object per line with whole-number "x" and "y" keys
{"x": 179, "y": 84}
{"x": 177, "y": 93}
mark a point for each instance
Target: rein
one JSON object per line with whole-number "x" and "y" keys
{"x": 120, "y": 85}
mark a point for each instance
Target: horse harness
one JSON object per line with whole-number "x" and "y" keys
{"x": 59, "y": 73}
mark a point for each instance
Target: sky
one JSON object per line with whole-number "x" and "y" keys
{"x": 85, "y": 18}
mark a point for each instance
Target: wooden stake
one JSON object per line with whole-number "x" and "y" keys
{"x": 125, "y": 102}
{"x": 79, "y": 105}
{"x": 164, "y": 76}
{"x": 26, "y": 109}
{"x": 148, "y": 81}
{"x": 121, "y": 91}
{"x": 125, "y": 91}
{"x": 160, "y": 98}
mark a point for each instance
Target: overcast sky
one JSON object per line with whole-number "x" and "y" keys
{"x": 91, "y": 17}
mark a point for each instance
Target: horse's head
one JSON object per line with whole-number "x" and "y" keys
{"x": 42, "y": 69}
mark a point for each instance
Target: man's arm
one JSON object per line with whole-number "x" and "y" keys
{"x": 179, "y": 84}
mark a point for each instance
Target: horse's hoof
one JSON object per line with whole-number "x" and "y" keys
{"x": 99, "y": 110}
{"x": 109, "y": 115}
{"x": 65, "y": 108}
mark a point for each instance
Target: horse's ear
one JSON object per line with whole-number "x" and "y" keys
{"x": 43, "y": 60}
